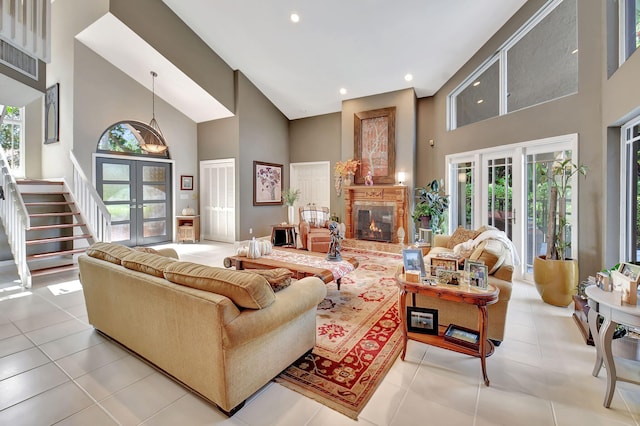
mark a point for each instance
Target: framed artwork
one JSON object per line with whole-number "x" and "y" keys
{"x": 374, "y": 135}
{"x": 603, "y": 282}
{"x": 267, "y": 184}
{"x": 447, "y": 263}
{"x": 630, "y": 271}
{"x": 462, "y": 336}
{"x": 51, "y": 115}
{"x": 186, "y": 183}
{"x": 413, "y": 261}
{"x": 422, "y": 320}
{"x": 448, "y": 277}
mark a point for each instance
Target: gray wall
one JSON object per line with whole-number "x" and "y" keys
{"x": 318, "y": 138}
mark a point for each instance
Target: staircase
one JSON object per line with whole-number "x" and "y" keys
{"x": 57, "y": 233}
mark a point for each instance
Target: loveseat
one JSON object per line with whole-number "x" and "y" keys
{"x": 314, "y": 228}
{"x": 222, "y": 333}
{"x": 490, "y": 246}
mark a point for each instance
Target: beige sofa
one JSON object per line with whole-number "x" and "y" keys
{"x": 222, "y": 333}
{"x": 500, "y": 263}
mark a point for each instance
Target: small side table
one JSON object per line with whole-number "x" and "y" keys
{"x": 188, "y": 228}
{"x": 283, "y": 235}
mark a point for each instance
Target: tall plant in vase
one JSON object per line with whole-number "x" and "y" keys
{"x": 289, "y": 197}
{"x": 555, "y": 274}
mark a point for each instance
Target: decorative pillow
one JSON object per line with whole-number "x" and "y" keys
{"x": 492, "y": 252}
{"x": 250, "y": 291}
{"x": 148, "y": 263}
{"x": 461, "y": 235}
{"x": 109, "y": 252}
{"x": 278, "y": 278}
{"x": 146, "y": 250}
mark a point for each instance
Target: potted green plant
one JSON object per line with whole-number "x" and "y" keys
{"x": 290, "y": 196}
{"x": 555, "y": 274}
{"x": 431, "y": 205}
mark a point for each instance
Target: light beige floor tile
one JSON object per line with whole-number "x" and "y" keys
{"x": 14, "y": 344}
{"x": 104, "y": 381}
{"x": 48, "y": 407}
{"x": 30, "y": 383}
{"x": 78, "y": 311}
{"x": 94, "y": 416}
{"x": 57, "y": 331}
{"x": 72, "y": 343}
{"x": 419, "y": 410}
{"x": 402, "y": 373}
{"x": 91, "y": 358}
{"x": 570, "y": 415}
{"x": 144, "y": 398}
{"x": 384, "y": 403}
{"x": 507, "y": 407}
{"x": 327, "y": 416}
{"x": 191, "y": 410}
{"x": 8, "y": 330}
{"x": 22, "y": 361}
{"x": 449, "y": 387}
{"x": 278, "y": 405}
{"x": 38, "y": 321}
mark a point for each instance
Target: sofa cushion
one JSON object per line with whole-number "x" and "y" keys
{"x": 278, "y": 278}
{"x": 492, "y": 252}
{"x": 110, "y": 252}
{"x": 460, "y": 235}
{"x": 250, "y": 291}
{"x": 148, "y": 263}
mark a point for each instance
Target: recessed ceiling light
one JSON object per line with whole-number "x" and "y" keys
{"x": 480, "y": 101}
{"x": 477, "y": 83}
{"x": 408, "y": 77}
{"x": 343, "y": 91}
{"x": 294, "y": 17}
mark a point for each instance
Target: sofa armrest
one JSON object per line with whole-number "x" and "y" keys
{"x": 292, "y": 302}
{"x": 169, "y": 252}
{"x": 304, "y": 231}
{"x": 441, "y": 240}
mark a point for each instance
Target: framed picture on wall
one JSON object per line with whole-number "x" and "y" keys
{"x": 186, "y": 183}
{"x": 267, "y": 184}
{"x": 51, "y": 115}
{"x": 374, "y": 134}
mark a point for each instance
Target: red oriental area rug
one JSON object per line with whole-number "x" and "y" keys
{"x": 358, "y": 337}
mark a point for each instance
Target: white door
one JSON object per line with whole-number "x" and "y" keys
{"x": 314, "y": 182}
{"x": 217, "y": 200}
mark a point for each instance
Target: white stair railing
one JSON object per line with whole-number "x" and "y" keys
{"x": 90, "y": 204}
{"x": 15, "y": 220}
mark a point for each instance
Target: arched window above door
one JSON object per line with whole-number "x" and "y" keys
{"x": 128, "y": 137}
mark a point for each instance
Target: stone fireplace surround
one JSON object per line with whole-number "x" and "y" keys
{"x": 394, "y": 196}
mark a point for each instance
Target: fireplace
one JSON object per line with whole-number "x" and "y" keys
{"x": 375, "y": 213}
{"x": 373, "y": 223}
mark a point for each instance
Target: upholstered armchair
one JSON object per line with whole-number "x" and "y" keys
{"x": 314, "y": 228}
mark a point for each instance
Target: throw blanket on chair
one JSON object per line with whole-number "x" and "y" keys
{"x": 491, "y": 234}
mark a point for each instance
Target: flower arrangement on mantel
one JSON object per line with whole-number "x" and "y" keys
{"x": 343, "y": 172}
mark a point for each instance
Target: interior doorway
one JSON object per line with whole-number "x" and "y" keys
{"x": 313, "y": 179}
{"x": 218, "y": 200}
{"x": 139, "y": 197}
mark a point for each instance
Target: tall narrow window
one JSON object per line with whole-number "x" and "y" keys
{"x": 12, "y": 137}
{"x": 631, "y": 139}
{"x": 629, "y": 25}
{"x": 462, "y": 194}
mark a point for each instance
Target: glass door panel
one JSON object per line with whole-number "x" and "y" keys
{"x": 500, "y": 194}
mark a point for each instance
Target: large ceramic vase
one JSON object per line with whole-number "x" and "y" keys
{"x": 291, "y": 214}
{"x": 556, "y": 280}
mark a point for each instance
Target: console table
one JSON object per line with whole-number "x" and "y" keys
{"x": 455, "y": 293}
{"x": 604, "y": 303}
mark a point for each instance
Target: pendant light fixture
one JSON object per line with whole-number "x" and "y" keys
{"x": 153, "y": 142}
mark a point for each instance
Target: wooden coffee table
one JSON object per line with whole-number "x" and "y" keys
{"x": 300, "y": 270}
{"x": 455, "y": 293}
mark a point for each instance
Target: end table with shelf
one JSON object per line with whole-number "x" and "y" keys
{"x": 283, "y": 235}
{"x": 188, "y": 228}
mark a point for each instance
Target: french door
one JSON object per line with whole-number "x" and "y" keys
{"x": 218, "y": 200}
{"x": 138, "y": 195}
{"x": 503, "y": 187}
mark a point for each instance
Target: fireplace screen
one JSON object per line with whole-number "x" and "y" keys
{"x": 374, "y": 223}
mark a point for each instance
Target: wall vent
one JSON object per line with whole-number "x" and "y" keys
{"x": 18, "y": 59}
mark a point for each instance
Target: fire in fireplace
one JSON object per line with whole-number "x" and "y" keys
{"x": 374, "y": 223}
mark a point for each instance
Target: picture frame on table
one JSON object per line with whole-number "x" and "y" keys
{"x": 630, "y": 271}
{"x": 448, "y": 277}
{"x": 374, "y": 135}
{"x": 627, "y": 287}
{"x": 444, "y": 263}
{"x": 462, "y": 336}
{"x": 477, "y": 273}
{"x": 267, "y": 184}
{"x": 413, "y": 261}
{"x": 603, "y": 282}
{"x": 422, "y": 320}
{"x": 186, "y": 183}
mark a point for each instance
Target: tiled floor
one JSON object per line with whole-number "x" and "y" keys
{"x": 54, "y": 369}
